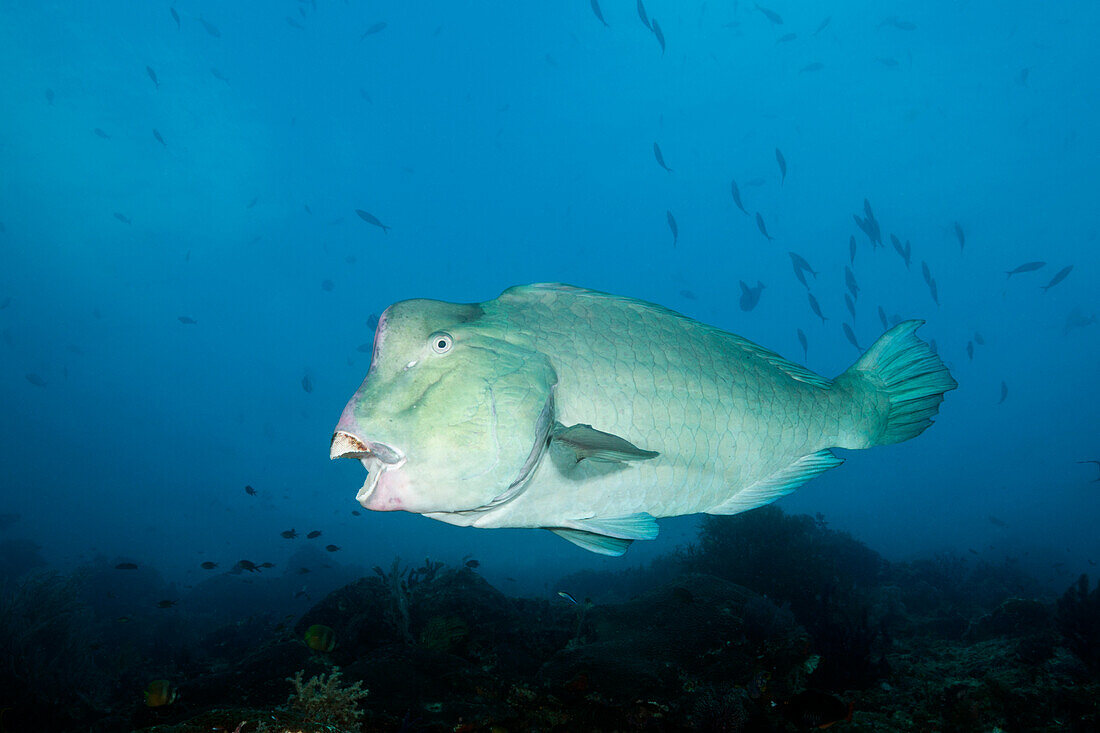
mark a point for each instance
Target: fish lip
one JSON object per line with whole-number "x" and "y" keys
{"x": 376, "y": 457}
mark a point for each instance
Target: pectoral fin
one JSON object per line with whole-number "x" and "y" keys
{"x": 586, "y": 442}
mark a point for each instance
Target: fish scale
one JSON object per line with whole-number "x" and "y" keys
{"x": 608, "y": 412}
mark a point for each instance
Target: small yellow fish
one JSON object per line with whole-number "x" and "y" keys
{"x": 320, "y": 638}
{"x": 160, "y": 693}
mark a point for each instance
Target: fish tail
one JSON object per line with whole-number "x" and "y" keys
{"x": 892, "y": 391}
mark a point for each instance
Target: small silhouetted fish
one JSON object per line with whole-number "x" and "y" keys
{"x": 327, "y": 285}
{"x": 210, "y": 27}
{"x": 812, "y": 66}
{"x": 1077, "y": 319}
{"x": 187, "y": 320}
{"x": 568, "y": 597}
{"x": 597, "y": 12}
{"x": 126, "y": 566}
{"x": 247, "y": 565}
{"x": 782, "y": 165}
{"x": 356, "y": 513}
{"x": 365, "y": 348}
{"x": 907, "y": 253}
{"x": 658, "y": 33}
{"x": 34, "y": 379}
{"x": 815, "y": 307}
{"x": 852, "y": 249}
{"x": 824, "y": 24}
{"x": 165, "y": 604}
{"x": 850, "y": 281}
{"x": 372, "y": 321}
{"x": 1026, "y": 267}
{"x": 307, "y": 384}
{"x": 100, "y": 133}
{"x": 737, "y": 196}
{"x": 660, "y": 157}
{"x": 960, "y": 235}
{"x": 472, "y": 564}
{"x": 672, "y": 226}
{"x": 786, "y": 38}
{"x": 801, "y": 265}
{"x": 267, "y": 565}
{"x": 288, "y": 534}
{"x": 372, "y": 219}
{"x": 934, "y": 291}
{"x": 249, "y": 490}
{"x": 750, "y": 296}
{"x": 1097, "y": 464}
{"x": 313, "y": 535}
{"x": 376, "y": 28}
{"x": 689, "y": 295}
{"x": 156, "y": 134}
{"x": 217, "y": 74}
{"x": 643, "y": 16}
{"x": 175, "y": 17}
{"x": 979, "y": 339}
{"x": 882, "y": 318}
{"x": 123, "y": 218}
{"x": 886, "y": 61}
{"x": 1059, "y": 277}
{"x": 294, "y": 24}
{"x": 771, "y": 15}
{"x": 763, "y": 229}
{"x": 997, "y": 522}
{"x": 152, "y": 75}
{"x": 851, "y": 305}
{"x": 970, "y": 350}
{"x": 332, "y": 548}
{"x": 926, "y": 272}
{"x": 1004, "y": 393}
{"x": 49, "y": 97}
{"x": 850, "y": 335}
{"x": 805, "y": 344}
{"x": 209, "y": 565}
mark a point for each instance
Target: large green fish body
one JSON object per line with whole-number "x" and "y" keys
{"x": 591, "y": 414}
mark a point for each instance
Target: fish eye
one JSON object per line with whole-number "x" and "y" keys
{"x": 441, "y": 342}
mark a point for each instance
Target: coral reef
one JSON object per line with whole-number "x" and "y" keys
{"x": 1079, "y": 621}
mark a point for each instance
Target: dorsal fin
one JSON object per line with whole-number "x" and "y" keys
{"x": 790, "y": 368}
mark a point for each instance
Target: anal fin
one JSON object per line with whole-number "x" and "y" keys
{"x": 779, "y": 484}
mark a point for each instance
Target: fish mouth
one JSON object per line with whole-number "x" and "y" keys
{"x": 376, "y": 457}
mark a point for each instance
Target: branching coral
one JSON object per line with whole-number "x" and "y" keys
{"x": 325, "y": 701}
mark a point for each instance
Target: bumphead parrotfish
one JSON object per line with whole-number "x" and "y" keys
{"x": 591, "y": 415}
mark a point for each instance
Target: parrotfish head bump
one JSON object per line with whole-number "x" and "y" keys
{"x": 451, "y": 416}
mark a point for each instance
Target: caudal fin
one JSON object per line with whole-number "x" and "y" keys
{"x": 896, "y": 388}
